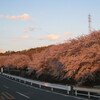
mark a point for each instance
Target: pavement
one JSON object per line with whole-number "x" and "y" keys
{"x": 12, "y": 90}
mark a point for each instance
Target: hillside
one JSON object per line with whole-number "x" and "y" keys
{"x": 75, "y": 62}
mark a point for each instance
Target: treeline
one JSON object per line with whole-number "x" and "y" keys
{"x": 75, "y": 62}
{"x": 25, "y": 52}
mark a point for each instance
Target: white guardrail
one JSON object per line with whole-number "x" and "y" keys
{"x": 89, "y": 92}
{"x": 73, "y": 90}
{"x": 40, "y": 84}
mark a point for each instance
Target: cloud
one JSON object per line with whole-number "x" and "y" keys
{"x": 29, "y": 29}
{"x": 26, "y": 17}
{"x": 25, "y": 31}
{"x": 26, "y": 37}
{"x": 21, "y": 38}
{"x": 50, "y": 37}
{"x": 16, "y": 39}
{"x": 1, "y": 16}
{"x": 55, "y": 36}
{"x": 67, "y": 34}
{"x": 21, "y": 17}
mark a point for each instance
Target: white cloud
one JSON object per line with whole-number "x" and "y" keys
{"x": 55, "y": 36}
{"x": 26, "y": 17}
{"x": 67, "y": 34}
{"x": 24, "y": 31}
{"x": 29, "y": 29}
{"x": 16, "y": 39}
{"x": 50, "y": 37}
{"x": 26, "y": 37}
{"x": 1, "y": 16}
{"x": 21, "y": 38}
{"x": 21, "y": 17}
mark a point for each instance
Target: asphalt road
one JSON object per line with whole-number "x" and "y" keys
{"x": 12, "y": 90}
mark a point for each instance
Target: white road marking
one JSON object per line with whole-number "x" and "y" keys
{"x": 5, "y": 86}
{"x": 22, "y": 95}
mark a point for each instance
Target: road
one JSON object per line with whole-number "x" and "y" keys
{"x": 12, "y": 90}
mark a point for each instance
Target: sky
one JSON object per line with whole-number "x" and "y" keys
{"x": 26, "y": 24}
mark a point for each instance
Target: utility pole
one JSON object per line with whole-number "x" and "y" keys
{"x": 89, "y": 21}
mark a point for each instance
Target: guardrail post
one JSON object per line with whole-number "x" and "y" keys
{"x": 51, "y": 88}
{"x": 67, "y": 92}
{"x": 31, "y": 83}
{"x": 72, "y": 91}
{"x": 39, "y": 86}
{"x": 76, "y": 92}
{"x": 89, "y": 95}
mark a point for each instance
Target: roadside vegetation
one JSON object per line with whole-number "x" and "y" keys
{"x": 75, "y": 62}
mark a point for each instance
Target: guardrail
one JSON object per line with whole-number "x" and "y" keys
{"x": 40, "y": 84}
{"x": 71, "y": 90}
{"x": 88, "y": 92}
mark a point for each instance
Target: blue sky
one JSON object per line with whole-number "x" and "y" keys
{"x": 26, "y": 24}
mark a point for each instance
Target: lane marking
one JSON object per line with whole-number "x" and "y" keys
{"x": 7, "y": 95}
{"x": 5, "y": 86}
{"x": 80, "y": 98}
{"x": 22, "y": 95}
